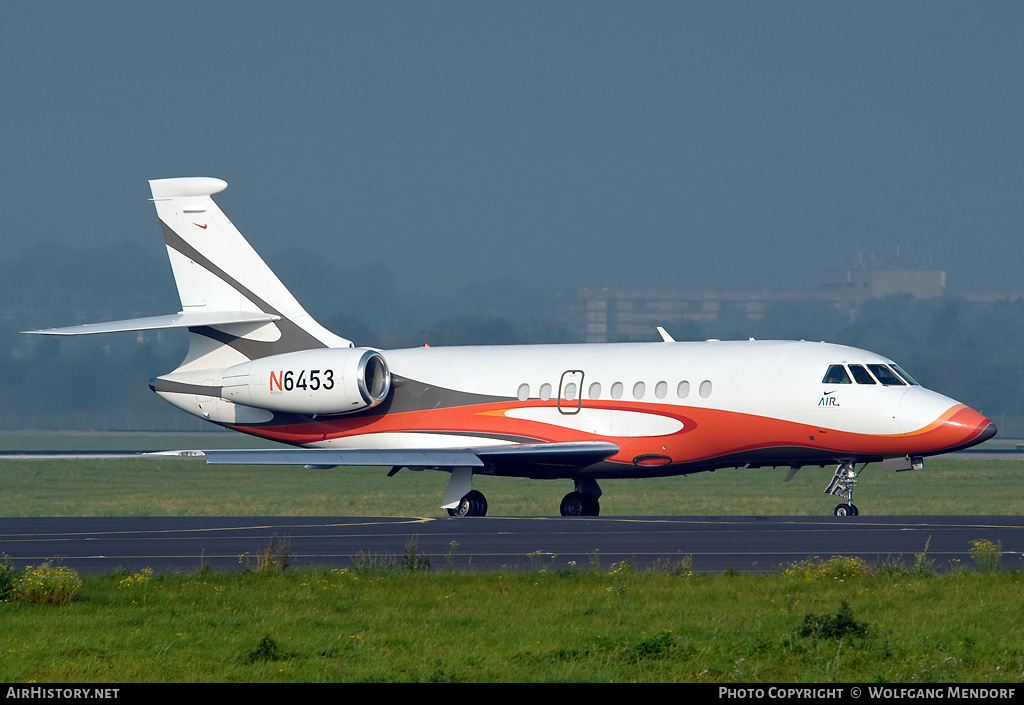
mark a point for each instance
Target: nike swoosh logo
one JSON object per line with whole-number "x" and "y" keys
{"x": 199, "y": 226}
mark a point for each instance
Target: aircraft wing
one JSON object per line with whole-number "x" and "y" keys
{"x": 538, "y": 454}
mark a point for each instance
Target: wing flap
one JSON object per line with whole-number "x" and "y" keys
{"x": 557, "y": 454}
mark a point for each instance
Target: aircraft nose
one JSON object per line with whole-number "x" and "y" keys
{"x": 964, "y": 427}
{"x": 950, "y": 424}
{"x": 989, "y": 431}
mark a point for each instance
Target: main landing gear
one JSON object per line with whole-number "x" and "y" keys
{"x": 842, "y": 485}
{"x": 574, "y": 504}
{"x": 461, "y": 501}
{"x": 473, "y": 504}
{"x": 580, "y": 504}
{"x": 583, "y": 502}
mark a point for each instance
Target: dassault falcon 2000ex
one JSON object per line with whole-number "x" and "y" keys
{"x": 259, "y": 364}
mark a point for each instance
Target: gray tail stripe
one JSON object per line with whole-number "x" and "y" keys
{"x": 293, "y": 338}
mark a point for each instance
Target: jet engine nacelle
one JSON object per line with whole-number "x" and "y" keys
{"x": 330, "y": 381}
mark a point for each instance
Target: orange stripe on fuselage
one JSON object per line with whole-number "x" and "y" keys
{"x": 706, "y": 433}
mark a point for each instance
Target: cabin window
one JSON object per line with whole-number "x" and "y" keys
{"x": 617, "y": 390}
{"x": 683, "y": 389}
{"x": 569, "y": 391}
{"x": 861, "y": 375}
{"x": 705, "y": 388}
{"x": 836, "y": 374}
{"x": 887, "y": 376}
{"x": 545, "y": 391}
{"x": 639, "y": 389}
{"x": 595, "y": 390}
{"x": 661, "y": 390}
{"x": 524, "y": 392}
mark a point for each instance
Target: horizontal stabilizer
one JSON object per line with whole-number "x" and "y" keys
{"x": 185, "y": 319}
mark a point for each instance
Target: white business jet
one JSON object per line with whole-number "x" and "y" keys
{"x": 259, "y": 364}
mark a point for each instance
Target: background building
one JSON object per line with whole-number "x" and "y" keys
{"x": 609, "y": 315}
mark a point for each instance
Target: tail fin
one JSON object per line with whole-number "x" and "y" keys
{"x": 234, "y": 306}
{"x": 236, "y": 309}
{"x": 217, "y": 272}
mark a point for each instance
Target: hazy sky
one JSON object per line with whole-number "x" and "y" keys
{"x": 737, "y": 145}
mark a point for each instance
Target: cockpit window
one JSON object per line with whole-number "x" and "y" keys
{"x": 836, "y": 374}
{"x": 902, "y": 373}
{"x": 861, "y": 375}
{"x": 887, "y": 376}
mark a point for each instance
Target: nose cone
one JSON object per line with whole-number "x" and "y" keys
{"x": 941, "y": 423}
{"x": 989, "y": 431}
{"x": 970, "y": 427}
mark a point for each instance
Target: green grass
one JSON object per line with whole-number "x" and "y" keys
{"x": 126, "y": 440}
{"x": 602, "y": 625}
{"x": 189, "y": 487}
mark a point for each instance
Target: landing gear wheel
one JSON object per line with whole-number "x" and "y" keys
{"x": 474, "y": 504}
{"x": 842, "y": 485}
{"x": 580, "y": 504}
{"x": 846, "y": 510}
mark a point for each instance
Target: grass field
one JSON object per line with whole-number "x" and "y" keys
{"x": 125, "y": 440}
{"x": 614, "y": 624}
{"x": 189, "y": 487}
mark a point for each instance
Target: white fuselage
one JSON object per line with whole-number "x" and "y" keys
{"x": 670, "y": 407}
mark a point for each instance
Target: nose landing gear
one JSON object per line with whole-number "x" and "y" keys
{"x": 842, "y": 485}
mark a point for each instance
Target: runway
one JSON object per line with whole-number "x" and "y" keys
{"x": 716, "y": 544}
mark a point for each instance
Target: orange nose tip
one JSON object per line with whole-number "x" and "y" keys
{"x": 972, "y": 427}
